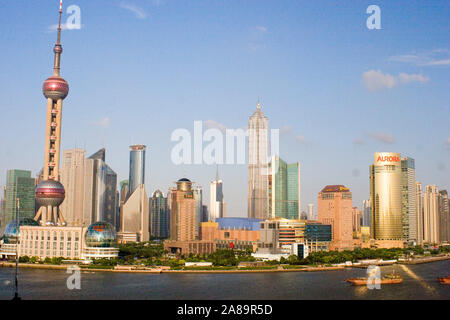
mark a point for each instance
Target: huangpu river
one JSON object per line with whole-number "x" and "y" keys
{"x": 419, "y": 282}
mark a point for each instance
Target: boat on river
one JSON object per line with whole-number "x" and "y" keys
{"x": 388, "y": 279}
{"x": 444, "y": 280}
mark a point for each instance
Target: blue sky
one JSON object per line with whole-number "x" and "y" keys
{"x": 138, "y": 70}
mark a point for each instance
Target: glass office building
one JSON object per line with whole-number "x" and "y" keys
{"x": 317, "y": 232}
{"x": 159, "y": 215}
{"x": 385, "y": 194}
{"x": 293, "y": 191}
{"x": 137, "y": 167}
{"x": 19, "y": 185}
{"x": 284, "y": 189}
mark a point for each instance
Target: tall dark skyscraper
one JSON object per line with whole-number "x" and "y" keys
{"x": 137, "y": 167}
{"x": 159, "y": 215}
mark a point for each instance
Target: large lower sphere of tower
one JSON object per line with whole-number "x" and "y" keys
{"x": 55, "y": 88}
{"x": 49, "y": 193}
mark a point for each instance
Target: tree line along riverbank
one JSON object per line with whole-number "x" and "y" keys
{"x": 151, "y": 257}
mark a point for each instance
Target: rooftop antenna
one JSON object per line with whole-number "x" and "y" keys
{"x": 258, "y": 104}
{"x": 217, "y": 172}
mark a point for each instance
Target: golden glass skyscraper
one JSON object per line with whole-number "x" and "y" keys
{"x": 386, "y": 196}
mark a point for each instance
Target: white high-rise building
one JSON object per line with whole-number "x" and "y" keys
{"x": 72, "y": 178}
{"x": 409, "y": 217}
{"x": 258, "y": 181}
{"x": 311, "y": 214}
{"x": 90, "y": 186}
{"x": 216, "y": 200}
{"x": 431, "y": 215}
{"x": 419, "y": 212}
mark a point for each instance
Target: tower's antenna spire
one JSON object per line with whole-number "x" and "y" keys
{"x": 259, "y": 104}
{"x": 58, "y": 48}
{"x": 59, "y": 24}
{"x": 217, "y": 173}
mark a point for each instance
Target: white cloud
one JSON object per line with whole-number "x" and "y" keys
{"x": 377, "y": 80}
{"x": 443, "y": 62}
{"x": 300, "y": 139}
{"x": 211, "y": 124}
{"x": 261, "y": 29}
{"x": 64, "y": 27}
{"x": 437, "y": 57}
{"x": 104, "y": 123}
{"x": 286, "y": 129}
{"x": 158, "y": 3}
{"x": 257, "y": 38}
{"x": 406, "y": 78}
{"x": 139, "y": 12}
{"x": 382, "y": 137}
{"x": 359, "y": 142}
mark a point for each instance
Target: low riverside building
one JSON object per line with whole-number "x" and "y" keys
{"x": 96, "y": 241}
{"x": 269, "y": 237}
{"x": 189, "y": 247}
{"x": 236, "y": 233}
{"x": 318, "y": 236}
{"x": 51, "y": 242}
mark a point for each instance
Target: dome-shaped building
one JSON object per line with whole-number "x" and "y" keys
{"x": 100, "y": 241}
{"x": 100, "y": 235}
{"x": 184, "y": 184}
{"x": 11, "y": 232}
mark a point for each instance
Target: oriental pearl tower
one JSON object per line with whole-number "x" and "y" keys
{"x": 50, "y": 192}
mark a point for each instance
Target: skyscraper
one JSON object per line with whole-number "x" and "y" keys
{"x": 137, "y": 167}
{"x": 2, "y": 207}
{"x": 216, "y": 200}
{"x": 335, "y": 208}
{"x": 19, "y": 185}
{"x": 123, "y": 198}
{"x": 293, "y": 191}
{"x": 182, "y": 212}
{"x": 135, "y": 217}
{"x": 284, "y": 189}
{"x": 419, "y": 212}
{"x": 385, "y": 194}
{"x": 431, "y": 215}
{"x": 159, "y": 215}
{"x": 357, "y": 218}
{"x": 72, "y": 178}
{"x": 409, "y": 217}
{"x": 444, "y": 217}
{"x": 277, "y": 188}
{"x": 258, "y": 184}
{"x": 311, "y": 214}
{"x": 49, "y": 192}
{"x": 366, "y": 212}
{"x": 100, "y": 185}
{"x": 198, "y": 197}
